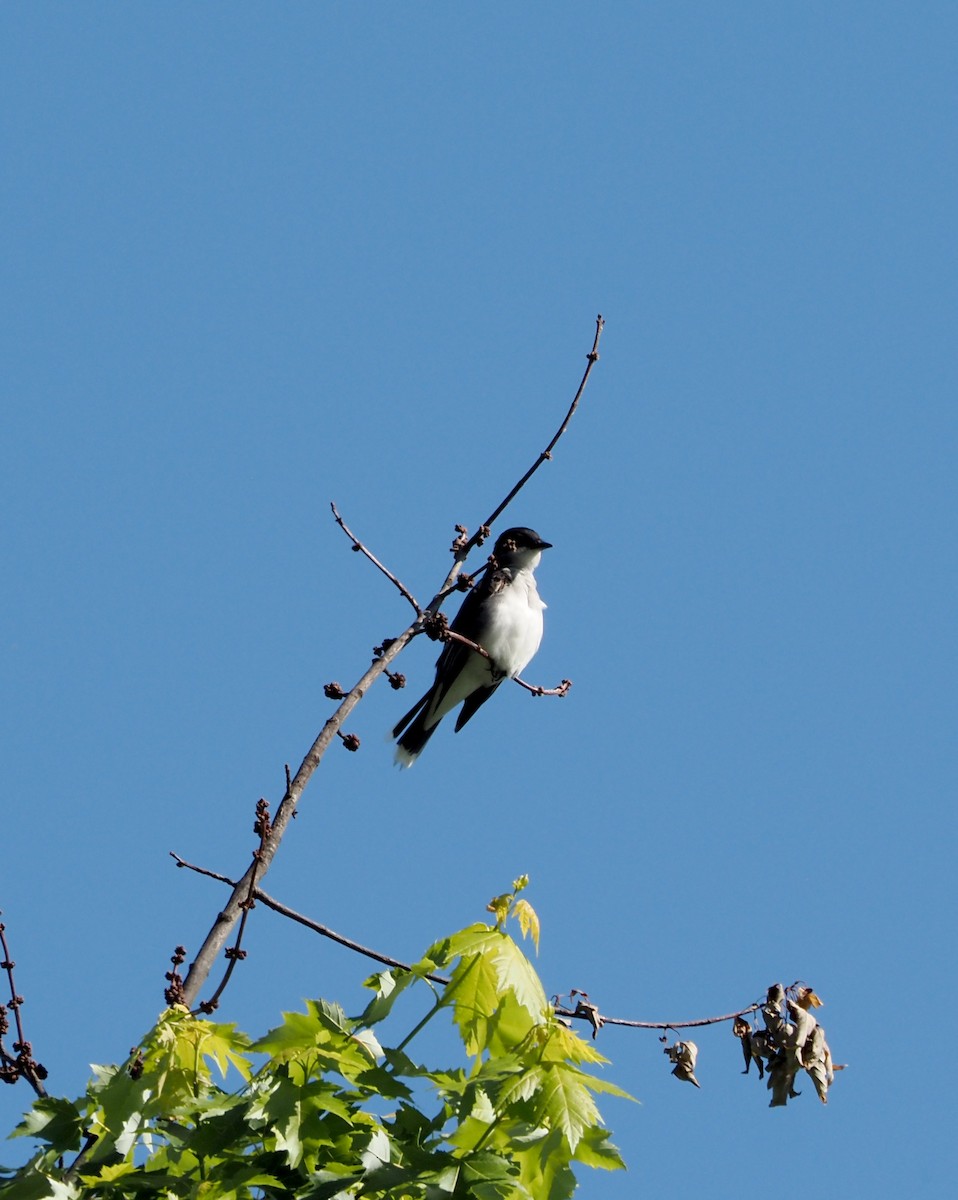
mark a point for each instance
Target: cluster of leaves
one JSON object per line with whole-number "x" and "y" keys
{"x": 791, "y": 1041}
{"x": 310, "y": 1121}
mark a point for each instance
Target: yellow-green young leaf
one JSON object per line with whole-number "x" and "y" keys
{"x": 474, "y": 995}
{"x": 565, "y": 1104}
{"x": 510, "y": 1027}
{"x": 596, "y": 1084}
{"x": 519, "y": 1087}
{"x": 224, "y": 1046}
{"x": 565, "y": 1045}
{"x": 528, "y": 921}
{"x": 517, "y": 973}
{"x": 543, "y": 1162}
{"x": 595, "y": 1150}
{"x": 520, "y": 884}
{"x": 107, "y": 1173}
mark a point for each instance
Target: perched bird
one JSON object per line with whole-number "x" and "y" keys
{"x": 503, "y": 614}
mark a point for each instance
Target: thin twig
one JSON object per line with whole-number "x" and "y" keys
{"x": 561, "y": 690}
{"x": 235, "y": 953}
{"x": 324, "y": 930}
{"x": 463, "y": 545}
{"x": 593, "y": 358}
{"x": 358, "y": 546}
{"x": 23, "y": 1065}
{"x": 583, "y": 1013}
{"x": 449, "y": 635}
{"x": 181, "y": 862}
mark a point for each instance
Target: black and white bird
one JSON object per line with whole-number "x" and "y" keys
{"x": 503, "y": 614}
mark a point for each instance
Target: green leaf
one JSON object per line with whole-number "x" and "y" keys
{"x": 35, "y": 1186}
{"x": 510, "y": 1027}
{"x": 518, "y": 974}
{"x": 506, "y": 1126}
{"x": 565, "y": 1045}
{"x": 520, "y": 1087}
{"x": 474, "y": 994}
{"x": 544, "y": 1170}
{"x": 225, "y": 1047}
{"x": 377, "y": 1150}
{"x": 388, "y": 986}
{"x": 369, "y": 1042}
{"x": 333, "y": 1016}
{"x": 595, "y": 1150}
{"x": 491, "y": 967}
{"x": 528, "y": 921}
{"x": 566, "y": 1104}
{"x": 55, "y": 1121}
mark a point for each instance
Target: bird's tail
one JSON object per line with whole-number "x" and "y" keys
{"x": 411, "y": 744}
{"x": 412, "y": 741}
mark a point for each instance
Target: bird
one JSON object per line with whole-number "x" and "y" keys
{"x": 503, "y": 614}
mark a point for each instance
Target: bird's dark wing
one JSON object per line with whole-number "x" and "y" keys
{"x": 473, "y": 703}
{"x": 469, "y": 621}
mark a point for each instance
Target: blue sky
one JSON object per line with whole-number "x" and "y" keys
{"x": 261, "y": 257}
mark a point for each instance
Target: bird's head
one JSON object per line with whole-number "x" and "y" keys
{"x": 519, "y": 547}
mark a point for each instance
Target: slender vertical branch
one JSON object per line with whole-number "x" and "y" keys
{"x": 593, "y": 358}
{"x": 463, "y": 545}
{"x": 22, "y": 1065}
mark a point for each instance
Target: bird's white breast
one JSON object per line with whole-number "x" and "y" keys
{"x": 515, "y": 627}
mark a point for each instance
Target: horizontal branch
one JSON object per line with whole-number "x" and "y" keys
{"x": 324, "y": 930}
{"x": 587, "y": 1012}
{"x": 561, "y": 690}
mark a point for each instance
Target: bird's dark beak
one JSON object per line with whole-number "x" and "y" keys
{"x": 544, "y": 545}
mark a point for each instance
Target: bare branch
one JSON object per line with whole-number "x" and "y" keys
{"x": 181, "y": 862}
{"x": 593, "y": 358}
{"x": 236, "y": 953}
{"x": 217, "y": 937}
{"x": 587, "y": 1012}
{"x": 582, "y": 1011}
{"x": 358, "y": 546}
{"x": 324, "y": 930}
{"x": 561, "y": 690}
{"x": 21, "y": 1064}
{"x": 445, "y": 634}
{"x": 462, "y": 545}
